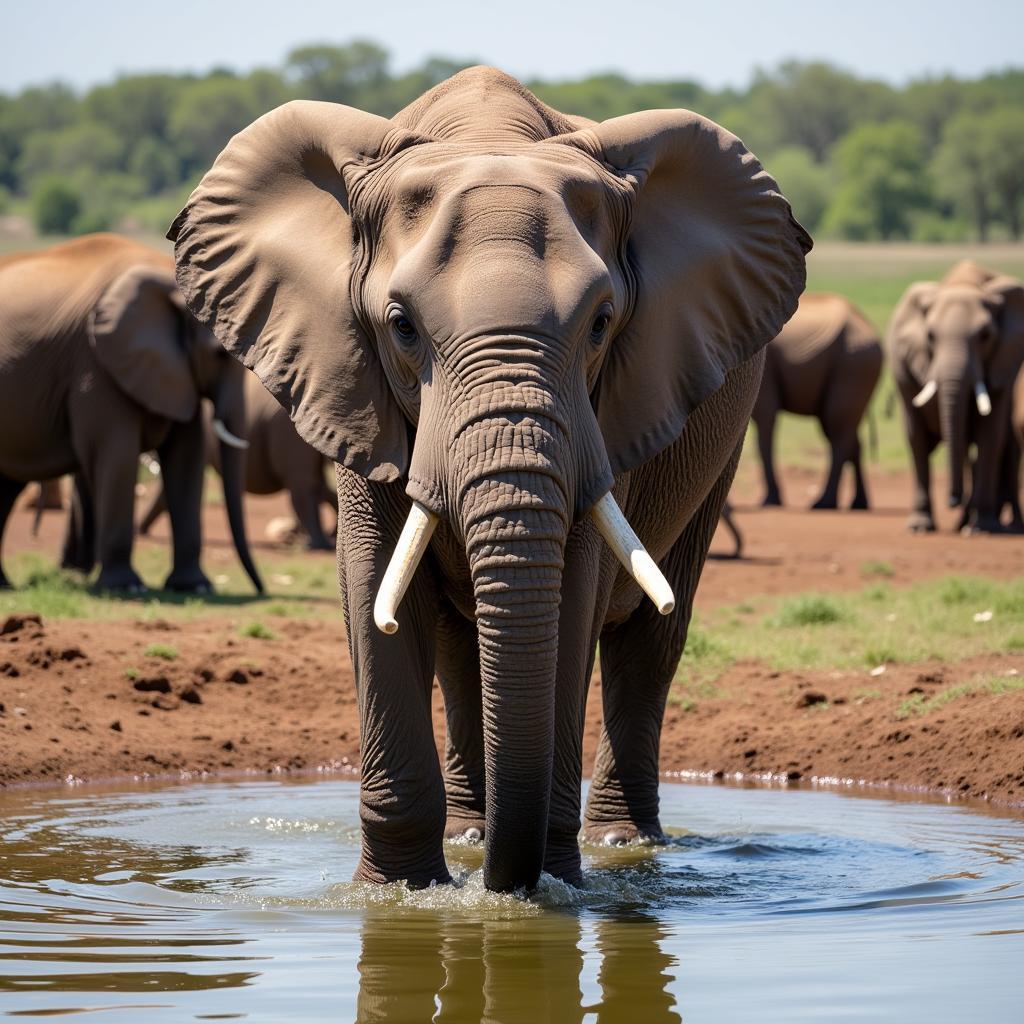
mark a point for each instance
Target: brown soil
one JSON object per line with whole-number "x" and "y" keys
{"x": 69, "y": 708}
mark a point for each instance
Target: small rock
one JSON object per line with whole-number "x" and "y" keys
{"x": 191, "y": 696}
{"x": 15, "y": 623}
{"x": 227, "y": 745}
{"x": 750, "y": 753}
{"x": 810, "y": 698}
{"x": 237, "y": 676}
{"x": 116, "y": 726}
{"x": 793, "y": 775}
{"x": 206, "y": 674}
{"x": 71, "y": 654}
{"x": 153, "y": 684}
{"x": 9, "y": 670}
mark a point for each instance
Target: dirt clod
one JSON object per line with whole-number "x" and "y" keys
{"x": 152, "y": 684}
{"x": 809, "y": 698}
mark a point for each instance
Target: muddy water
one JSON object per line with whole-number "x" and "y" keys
{"x": 232, "y": 902}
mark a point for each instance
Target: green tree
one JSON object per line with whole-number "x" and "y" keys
{"x": 55, "y": 205}
{"x": 1002, "y": 150}
{"x": 807, "y": 185}
{"x": 342, "y": 74}
{"x": 960, "y": 172}
{"x": 87, "y": 145}
{"x": 882, "y": 181}
{"x": 207, "y": 114}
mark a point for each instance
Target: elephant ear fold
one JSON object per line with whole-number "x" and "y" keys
{"x": 1007, "y": 294}
{"x": 266, "y": 250}
{"x": 718, "y": 263}
{"x": 908, "y": 329}
{"x": 136, "y": 331}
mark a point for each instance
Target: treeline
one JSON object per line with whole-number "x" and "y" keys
{"x": 938, "y": 160}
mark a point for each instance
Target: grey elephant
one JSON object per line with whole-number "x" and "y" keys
{"x": 531, "y": 344}
{"x": 276, "y": 459}
{"x": 99, "y": 361}
{"x": 825, "y": 363}
{"x": 956, "y": 347}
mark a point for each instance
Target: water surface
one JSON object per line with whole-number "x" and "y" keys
{"x": 223, "y": 901}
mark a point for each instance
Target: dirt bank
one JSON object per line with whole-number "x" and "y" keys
{"x": 92, "y": 700}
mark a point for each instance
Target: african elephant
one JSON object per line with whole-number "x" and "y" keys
{"x": 100, "y": 361}
{"x": 276, "y": 459}
{"x": 956, "y": 347}
{"x": 825, "y": 363}
{"x": 503, "y": 324}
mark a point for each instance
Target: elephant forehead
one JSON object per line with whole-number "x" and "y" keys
{"x": 958, "y": 311}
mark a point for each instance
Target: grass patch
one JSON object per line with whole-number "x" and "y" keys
{"x": 132, "y": 674}
{"x": 163, "y": 651}
{"x": 257, "y": 631}
{"x": 878, "y": 624}
{"x": 919, "y": 704}
{"x": 808, "y": 610}
{"x": 877, "y": 569}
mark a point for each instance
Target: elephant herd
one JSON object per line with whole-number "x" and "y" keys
{"x": 531, "y": 345}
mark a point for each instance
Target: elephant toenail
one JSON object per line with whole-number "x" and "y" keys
{"x": 472, "y": 834}
{"x": 616, "y": 838}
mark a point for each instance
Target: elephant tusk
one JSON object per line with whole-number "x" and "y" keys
{"x": 632, "y": 554}
{"x": 409, "y": 550}
{"x": 981, "y": 399}
{"x": 925, "y": 395}
{"x": 225, "y": 435}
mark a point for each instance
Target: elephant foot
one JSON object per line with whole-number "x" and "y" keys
{"x": 826, "y": 502}
{"x": 419, "y": 877}
{"x": 464, "y": 830}
{"x": 771, "y": 500}
{"x": 986, "y": 524}
{"x": 121, "y": 579}
{"x": 921, "y": 522}
{"x": 622, "y": 833}
{"x": 860, "y": 504}
{"x": 188, "y": 581}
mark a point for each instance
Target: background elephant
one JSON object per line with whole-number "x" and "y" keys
{"x": 502, "y": 323}
{"x": 825, "y": 363}
{"x": 277, "y": 459}
{"x": 956, "y": 348}
{"x": 100, "y": 361}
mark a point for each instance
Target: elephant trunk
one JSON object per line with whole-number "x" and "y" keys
{"x": 229, "y": 414}
{"x": 953, "y": 392}
{"x": 515, "y": 542}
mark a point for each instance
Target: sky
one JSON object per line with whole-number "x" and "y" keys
{"x": 717, "y": 43}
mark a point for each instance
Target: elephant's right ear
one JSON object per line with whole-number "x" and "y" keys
{"x": 908, "y": 330}
{"x": 265, "y": 249}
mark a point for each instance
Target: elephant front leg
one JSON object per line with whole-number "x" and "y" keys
{"x": 986, "y": 471}
{"x": 458, "y": 670}
{"x": 922, "y": 444}
{"x": 401, "y": 796}
{"x": 639, "y": 659}
{"x": 111, "y": 481}
{"x": 182, "y": 466}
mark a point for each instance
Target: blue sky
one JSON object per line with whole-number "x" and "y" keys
{"x": 717, "y": 43}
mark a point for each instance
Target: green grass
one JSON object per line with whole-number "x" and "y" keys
{"x": 40, "y": 587}
{"x": 920, "y": 704}
{"x": 876, "y": 625}
{"x": 257, "y": 631}
{"x": 163, "y": 651}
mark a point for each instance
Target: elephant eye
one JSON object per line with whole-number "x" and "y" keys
{"x": 600, "y": 324}
{"x": 402, "y": 326}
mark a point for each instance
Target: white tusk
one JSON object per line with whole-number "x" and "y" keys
{"x": 925, "y": 395}
{"x": 409, "y": 550}
{"x": 632, "y": 554}
{"x": 227, "y": 437}
{"x": 981, "y": 399}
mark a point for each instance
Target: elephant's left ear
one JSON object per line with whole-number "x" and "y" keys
{"x": 136, "y": 331}
{"x": 1007, "y": 294}
{"x": 718, "y": 260}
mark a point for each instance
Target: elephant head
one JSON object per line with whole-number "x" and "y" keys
{"x": 504, "y": 310}
{"x": 164, "y": 359}
{"x": 962, "y": 340}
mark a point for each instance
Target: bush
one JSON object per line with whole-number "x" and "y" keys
{"x": 55, "y": 205}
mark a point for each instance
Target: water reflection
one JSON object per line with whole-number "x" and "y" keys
{"x": 450, "y": 971}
